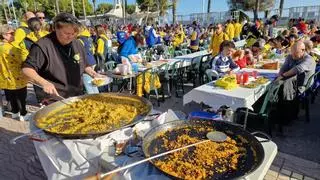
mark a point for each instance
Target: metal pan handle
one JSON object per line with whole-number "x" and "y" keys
{"x": 37, "y": 139}
{"x": 266, "y": 136}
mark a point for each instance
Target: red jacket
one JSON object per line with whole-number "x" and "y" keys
{"x": 242, "y": 63}
{"x": 303, "y": 27}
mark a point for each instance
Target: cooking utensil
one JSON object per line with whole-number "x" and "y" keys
{"x": 61, "y": 98}
{"x": 246, "y": 165}
{"x": 57, "y": 105}
{"x": 14, "y": 140}
{"x": 215, "y": 136}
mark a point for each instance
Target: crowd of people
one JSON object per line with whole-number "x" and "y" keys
{"x": 57, "y": 56}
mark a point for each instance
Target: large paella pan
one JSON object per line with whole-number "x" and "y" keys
{"x": 92, "y": 115}
{"x": 238, "y": 156}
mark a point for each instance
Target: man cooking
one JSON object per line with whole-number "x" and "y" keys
{"x": 57, "y": 61}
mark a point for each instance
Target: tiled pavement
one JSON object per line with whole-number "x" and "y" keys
{"x": 18, "y": 161}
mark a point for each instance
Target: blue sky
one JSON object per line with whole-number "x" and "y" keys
{"x": 195, "y": 6}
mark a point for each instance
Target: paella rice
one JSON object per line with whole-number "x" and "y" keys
{"x": 201, "y": 161}
{"x": 94, "y": 114}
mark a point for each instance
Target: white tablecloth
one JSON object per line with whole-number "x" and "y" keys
{"x": 262, "y": 71}
{"x": 239, "y": 97}
{"x": 189, "y": 57}
{"x": 215, "y": 96}
{"x": 77, "y": 158}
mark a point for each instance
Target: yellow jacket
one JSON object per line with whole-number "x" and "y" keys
{"x": 237, "y": 29}
{"x": 162, "y": 34}
{"x": 230, "y": 30}
{"x": 216, "y": 40}
{"x": 20, "y": 34}
{"x": 146, "y": 87}
{"x": 32, "y": 36}
{"x": 100, "y": 44}
{"x": 178, "y": 39}
{"x": 11, "y": 59}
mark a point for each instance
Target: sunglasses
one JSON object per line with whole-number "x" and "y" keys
{"x": 41, "y": 17}
{"x": 11, "y": 33}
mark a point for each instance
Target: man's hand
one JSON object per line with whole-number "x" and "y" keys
{"x": 50, "y": 89}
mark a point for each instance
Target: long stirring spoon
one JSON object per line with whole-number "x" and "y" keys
{"x": 61, "y": 98}
{"x": 215, "y": 136}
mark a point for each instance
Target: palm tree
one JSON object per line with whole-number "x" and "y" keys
{"x": 256, "y": 10}
{"x": 5, "y": 11}
{"x": 57, "y": 6}
{"x": 84, "y": 10}
{"x": 174, "y": 10}
{"x": 72, "y": 8}
{"x": 281, "y": 7}
{"x": 94, "y": 7}
{"x": 209, "y": 6}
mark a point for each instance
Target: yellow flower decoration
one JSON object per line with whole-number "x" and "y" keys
{"x": 76, "y": 57}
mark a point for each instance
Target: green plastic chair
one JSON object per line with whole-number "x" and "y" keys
{"x": 186, "y": 51}
{"x": 110, "y": 65}
{"x": 178, "y": 53}
{"x": 165, "y": 77}
{"x": 308, "y": 94}
{"x": 252, "y": 120}
{"x": 175, "y": 76}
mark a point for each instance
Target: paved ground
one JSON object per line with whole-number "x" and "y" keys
{"x": 298, "y": 158}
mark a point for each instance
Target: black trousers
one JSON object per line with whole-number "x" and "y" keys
{"x": 17, "y": 99}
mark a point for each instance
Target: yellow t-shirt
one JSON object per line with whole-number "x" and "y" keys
{"x": 178, "y": 39}
{"x": 19, "y": 35}
{"x": 216, "y": 40}
{"x": 11, "y": 59}
{"x": 100, "y": 44}
{"x": 230, "y": 30}
{"x": 237, "y": 29}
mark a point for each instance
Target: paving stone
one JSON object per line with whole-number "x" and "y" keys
{"x": 272, "y": 173}
{"x": 275, "y": 168}
{"x": 308, "y": 178}
{"x": 297, "y": 176}
{"x": 283, "y": 177}
{"x": 269, "y": 177}
{"x": 278, "y": 161}
{"x": 285, "y": 172}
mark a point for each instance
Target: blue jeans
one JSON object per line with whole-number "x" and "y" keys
{"x": 90, "y": 88}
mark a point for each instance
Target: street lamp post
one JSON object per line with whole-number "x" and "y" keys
{"x": 72, "y": 8}
{"x": 84, "y": 10}
{"x": 14, "y": 12}
{"x": 57, "y": 6}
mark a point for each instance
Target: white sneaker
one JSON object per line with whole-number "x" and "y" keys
{"x": 26, "y": 117}
{"x": 15, "y": 115}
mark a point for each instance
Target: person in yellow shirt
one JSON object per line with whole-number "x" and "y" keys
{"x": 102, "y": 46}
{"x": 218, "y": 37}
{"x": 178, "y": 38}
{"x": 230, "y": 29}
{"x": 12, "y": 80}
{"x": 85, "y": 38}
{"x": 40, "y": 15}
{"x": 21, "y": 32}
{"x": 195, "y": 37}
{"x": 237, "y": 30}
